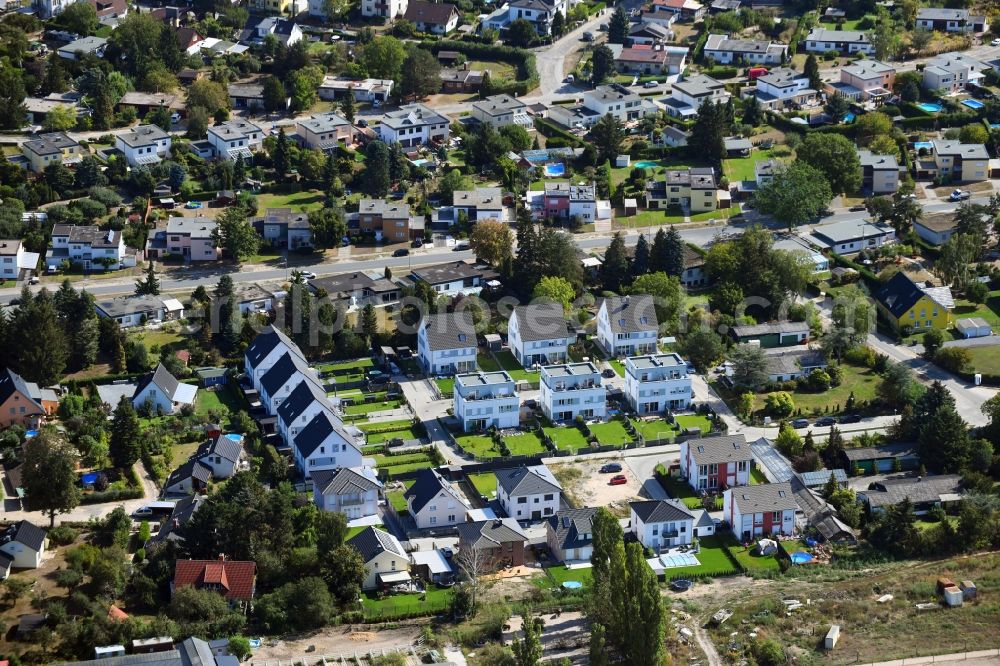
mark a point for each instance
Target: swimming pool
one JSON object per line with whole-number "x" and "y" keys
{"x": 647, "y": 164}
{"x": 555, "y": 170}
{"x": 801, "y": 557}
{"x": 234, "y": 437}
{"x": 572, "y": 585}
{"x": 849, "y": 118}
{"x": 926, "y": 145}
{"x": 973, "y": 103}
{"x": 930, "y": 107}
{"x": 89, "y": 479}
{"x": 28, "y": 434}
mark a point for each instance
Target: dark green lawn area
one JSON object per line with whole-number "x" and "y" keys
{"x": 379, "y": 437}
{"x": 679, "y": 489}
{"x": 485, "y": 483}
{"x": 750, "y": 561}
{"x": 486, "y": 363}
{"x": 507, "y": 361}
{"x": 985, "y": 360}
{"x": 863, "y": 382}
{"x": 369, "y": 407}
{"x": 526, "y": 444}
{"x": 757, "y": 476}
{"x": 685, "y": 421}
{"x": 446, "y": 385}
{"x": 990, "y": 310}
{"x": 712, "y": 559}
{"x": 559, "y": 574}
{"x": 432, "y": 601}
{"x": 652, "y": 431}
{"x": 566, "y": 437}
{"x": 480, "y": 446}
{"x": 611, "y": 433}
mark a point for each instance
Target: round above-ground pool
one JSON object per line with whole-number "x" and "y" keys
{"x": 89, "y": 479}
{"x": 234, "y": 436}
{"x": 801, "y": 557}
{"x": 930, "y": 107}
{"x": 28, "y": 434}
{"x": 555, "y": 170}
{"x": 973, "y": 103}
{"x": 572, "y": 585}
{"x": 647, "y": 164}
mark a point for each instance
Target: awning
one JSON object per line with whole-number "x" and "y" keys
{"x": 173, "y": 305}
{"x": 394, "y": 577}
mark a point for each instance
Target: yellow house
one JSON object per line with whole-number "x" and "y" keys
{"x": 907, "y": 304}
{"x": 276, "y": 6}
{"x": 51, "y": 148}
{"x": 694, "y": 189}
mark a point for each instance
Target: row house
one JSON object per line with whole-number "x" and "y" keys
{"x": 716, "y": 463}
{"x": 657, "y": 382}
{"x": 627, "y": 325}
{"x": 762, "y": 510}
{"x": 324, "y": 445}
{"x": 51, "y": 148}
{"x": 571, "y": 390}
{"x": 143, "y": 145}
{"x": 446, "y": 343}
{"x": 844, "y": 42}
{"x": 414, "y": 125}
{"x": 538, "y": 334}
{"x": 725, "y": 50}
{"x": 485, "y": 400}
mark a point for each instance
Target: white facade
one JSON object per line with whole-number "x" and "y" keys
{"x": 724, "y": 50}
{"x": 441, "y": 506}
{"x": 763, "y": 510}
{"x": 657, "y": 524}
{"x": 353, "y": 500}
{"x": 538, "y": 334}
{"x": 388, "y": 9}
{"x": 443, "y": 348}
{"x": 24, "y": 556}
{"x": 414, "y": 125}
{"x": 324, "y": 445}
{"x": 529, "y": 493}
{"x": 143, "y": 145}
{"x": 821, "y": 40}
{"x": 234, "y": 138}
{"x": 624, "y": 331}
{"x": 486, "y": 399}
{"x": 571, "y": 390}
{"x": 657, "y": 382}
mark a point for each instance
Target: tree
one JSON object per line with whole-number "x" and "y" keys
{"x": 344, "y": 572}
{"x": 668, "y": 297}
{"x": 328, "y": 226}
{"x": 811, "y": 70}
{"x": 421, "y": 73}
{"x": 835, "y": 157}
{"x": 749, "y": 366}
{"x": 347, "y": 106}
{"x": 60, "y": 118}
{"x": 12, "y": 94}
{"x": 954, "y": 359}
{"x": 668, "y": 252}
{"x": 203, "y": 612}
{"x": 933, "y": 339}
{"x": 555, "y": 289}
{"x": 920, "y": 39}
{"x": 451, "y": 182}
{"x": 607, "y": 135}
{"x": 753, "y": 115}
{"x": 42, "y": 350}
{"x": 383, "y": 58}
{"x": 870, "y": 125}
{"x": 795, "y": 195}
{"x": 49, "y": 475}
{"x": 779, "y": 404}
{"x": 207, "y": 94}
{"x": 602, "y": 64}
{"x": 150, "y": 285}
{"x": 708, "y": 133}
{"x": 331, "y": 531}
{"x": 235, "y": 234}
{"x": 126, "y": 438}
{"x": 745, "y": 405}
{"x": 376, "y": 174}
{"x": 598, "y": 646}
{"x": 618, "y": 26}
{"x": 788, "y": 441}
{"x": 281, "y": 158}
{"x": 703, "y": 348}
{"x": 239, "y": 647}
{"x": 641, "y": 258}
{"x": 837, "y": 107}
{"x": 956, "y": 264}
{"x": 492, "y": 241}
{"x": 899, "y": 386}
{"x": 528, "y": 651}
{"x": 521, "y": 33}
{"x": 614, "y": 270}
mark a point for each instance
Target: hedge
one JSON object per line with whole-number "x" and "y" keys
{"x": 112, "y": 495}
{"x": 522, "y": 59}
{"x": 549, "y": 129}
{"x": 863, "y": 271}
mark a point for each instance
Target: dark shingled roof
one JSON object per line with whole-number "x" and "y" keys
{"x": 10, "y": 382}
{"x": 303, "y": 395}
{"x": 449, "y": 330}
{"x": 26, "y": 533}
{"x": 265, "y": 342}
{"x": 343, "y": 480}
{"x": 162, "y": 378}
{"x": 899, "y": 294}
{"x": 435, "y": 13}
{"x": 533, "y": 480}
{"x": 490, "y": 533}
{"x": 316, "y": 431}
{"x": 541, "y": 321}
{"x": 428, "y": 484}
{"x": 714, "y": 450}
{"x": 192, "y": 469}
{"x": 573, "y": 528}
{"x": 660, "y": 511}
{"x": 631, "y": 314}
{"x": 372, "y": 541}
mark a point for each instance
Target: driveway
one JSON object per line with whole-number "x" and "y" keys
{"x": 421, "y": 394}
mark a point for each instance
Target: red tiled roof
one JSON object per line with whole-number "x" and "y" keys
{"x": 640, "y": 55}
{"x": 117, "y": 614}
{"x": 234, "y": 578}
{"x": 678, "y": 4}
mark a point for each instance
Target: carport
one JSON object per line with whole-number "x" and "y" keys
{"x": 775, "y": 466}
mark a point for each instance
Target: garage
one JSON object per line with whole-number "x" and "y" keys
{"x": 973, "y": 327}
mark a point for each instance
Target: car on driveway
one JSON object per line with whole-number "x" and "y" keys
{"x": 618, "y": 480}
{"x": 650, "y": 84}
{"x": 959, "y": 195}
{"x": 825, "y": 421}
{"x": 611, "y": 467}
{"x": 858, "y": 208}
{"x": 800, "y": 423}
{"x": 307, "y": 275}
{"x": 995, "y": 42}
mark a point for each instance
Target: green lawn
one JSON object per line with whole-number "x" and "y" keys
{"x": 395, "y": 499}
{"x": 694, "y": 421}
{"x": 308, "y": 200}
{"x": 484, "y": 483}
{"x": 161, "y": 338}
{"x": 391, "y": 425}
{"x": 354, "y": 531}
{"x": 559, "y": 574}
{"x": 679, "y": 489}
{"x": 432, "y": 601}
{"x": 497, "y": 70}
{"x": 222, "y": 397}
{"x": 986, "y": 359}
{"x": 757, "y": 476}
{"x": 380, "y": 437}
{"x": 566, "y": 438}
{"x": 526, "y": 444}
{"x": 862, "y": 381}
{"x": 446, "y": 385}
{"x": 619, "y": 366}
{"x": 480, "y": 446}
{"x": 507, "y": 362}
{"x": 611, "y": 433}
{"x": 655, "y": 430}
{"x": 385, "y": 460}
{"x": 751, "y": 562}
{"x": 712, "y": 558}
{"x": 369, "y": 407}
{"x": 486, "y": 363}
{"x": 742, "y": 168}
{"x": 990, "y": 310}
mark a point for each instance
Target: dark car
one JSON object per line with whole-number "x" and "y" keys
{"x": 362, "y": 123}
{"x": 611, "y": 467}
{"x": 401, "y": 252}
{"x": 850, "y": 418}
{"x": 825, "y": 421}
{"x": 680, "y": 585}
{"x": 417, "y": 243}
{"x": 858, "y": 208}
{"x": 800, "y": 423}
{"x": 608, "y": 372}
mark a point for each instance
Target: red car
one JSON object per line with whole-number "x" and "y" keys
{"x": 618, "y": 480}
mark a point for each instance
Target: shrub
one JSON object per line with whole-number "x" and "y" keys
{"x": 63, "y": 535}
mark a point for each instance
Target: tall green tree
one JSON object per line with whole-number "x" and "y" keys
{"x": 376, "y": 175}
{"x": 641, "y": 258}
{"x": 42, "y": 349}
{"x": 125, "y": 446}
{"x": 614, "y": 270}
{"x": 607, "y": 135}
{"x": 150, "y": 285}
{"x": 347, "y": 106}
{"x": 795, "y": 195}
{"x": 383, "y": 58}
{"x": 836, "y": 158}
{"x": 281, "y": 158}
{"x": 602, "y": 64}
{"x": 235, "y": 234}
{"x": 528, "y": 650}
{"x": 811, "y": 70}
{"x": 49, "y": 475}
{"x": 421, "y": 74}
{"x": 707, "y": 140}
{"x": 618, "y": 26}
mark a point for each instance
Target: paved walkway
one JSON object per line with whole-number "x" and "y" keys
{"x": 977, "y": 658}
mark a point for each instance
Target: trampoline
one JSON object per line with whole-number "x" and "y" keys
{"x": 674, "y": 560}
{"x": 555, "y": 170}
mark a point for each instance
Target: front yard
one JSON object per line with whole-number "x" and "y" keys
{"x": 861, "y": 381}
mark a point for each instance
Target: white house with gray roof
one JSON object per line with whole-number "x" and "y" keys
{"x": 234, "y": 138}
{"x": 128, "y": 311}
{"x": 569, "y": 534}
{"x": 433, "y": 502}
{"x": 528, "y": 493}
{"x": 657, "y": 382}
{"x": 446, "y": 343}
{"x": 571, "y": 390}
{"x": 352, "y": 491}
{"x": 627, "y": 325}
{"x": 661, "y": 524}
{"x": 486, "y": 399}
{"x": 950, "y": 20}
{"x": 414, "y": 125}
{"x": 616, "y": 100}
{"x": 386, "y": 563}
{"x": 278, "y": 382}
{"x": 879, "y": 173}
{"x": 161, "y": 393}
{"x": 688, "y": 94}
{"x": 482, "y": 203}
{"x": 783, "y": 87}
{"x": 324, "y": 444}
{"x": 844, "y": 42}
{"x": 143, "y": 145}
{"x": 725, "y": 50}
{"x": 852, "y": 236}
{"x": 326, "y": 131}
{"x": 953, "y": 72}
{"x": 501, "y": 110}
{"x": 224, "y": 455}
{"x": 305, "y": 401}
{"x": 539, "y": 334}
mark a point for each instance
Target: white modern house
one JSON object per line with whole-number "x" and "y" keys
{"x": 713, "y": 463}
{"x": 539, "y": 334}
{"x": 661, "y": 524}
{"x": 614, "y": 99}
{"x": 486, "y": 399}
{"x": 762, "y": 510}
{"x": 162, "y": 393}
{"x": 657, "y": 382}
{"x": 414, "y": 125}
{"x": 572, "y": 389}
{"x": 528, "y": 493}
{"x": 724, "y": 50}
{"x": 433, "y": 501}
{"x": 277, "y": 383}
{"x": 501, "y": 111}
{"x": 352, "y": 491}
{"x": 844, "y": 42}
{"x": 300, "y": 406}
{"x": 234, "y": 138}
{"x": 386, "y": 563}
{"x": 324, "y": 444}
{"x": 688, "y": 94}
{"x": 87, "y": 247}
{"x": 267, "y": 348}
{"x": 627, "y": 325}
{"x": 14, "y": 259}
{"x": 446, "y": 343}
{"x": 143, "y": 145}
{"x": 388, "y": 9}
{"x": 482, "y": 203}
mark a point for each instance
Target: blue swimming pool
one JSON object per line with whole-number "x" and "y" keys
{"x": 973, "y": 103}
{"x": 801, "y": 558}
{"x": 930, "y": 107}
{"x": 926, "y": 145}
{"x": 647, "y": 164}
{"x": 89, "y": 479}
{"x": 849, "y": 118}
{"x": 28, "y": 434}
{"x": 572, "y": 585}
{"x": 234, "y": 436}
{"x": 555, "y": 170}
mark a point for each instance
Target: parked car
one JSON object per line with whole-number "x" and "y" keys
{"x": 858, "y": 208}
{"x": 800, "y": 423}
{"x": 611, "y": 467}
{"x": 175, "y": 118}
{"x": 995, "y": 42}
{"x": 143, "y": 512}
{"x": 307, "y": 275}
{"x": 650, "y": 84}
{"x": 447, "y": 552}
{"x": 960, "y": 195}
{"x": 569, "y": 79}
{"x": 588, "y": 36}
{"x": 825, "y": 421}
{"x": 401, "y": 252}
{"x": 608, "y": 372}
{"x": 417, "y": 243}
{"x": 850, "y": 418}
{"x": 618, "y": 480}
{"x": 362, "y": 123}
{"x": 460, "y": 247}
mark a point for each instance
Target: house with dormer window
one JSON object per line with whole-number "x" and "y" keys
{"x": 714, "y": 463}
{"x": 627, "y": 325}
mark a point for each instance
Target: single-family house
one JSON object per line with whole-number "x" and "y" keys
{"x": 387, "y": 220}
{"x": 326, "y": 132}
{"x": 772, "y": 334}
{"x": 881, "y": 459}
{"x": 674, "y": 137}
{"x": 461, "y": 80}
{"x": 246, "y": 95}
{"x": 953, "y": 73}
{"x": 143, "y": 145}
{"x": 482, "y": 203}
{"x": 433, "y": 502}
{"x": 528, "y": 493}
{"x": 935, "y": 228}
{"x": 725, "y": 50}
{"x": 865, "y": 81}
{"x": 414, "y": 125}
{"x": 694, "y": 274}
{"x": 907, "y": 304}
{"x": 235, "y": 138}
{"x": 657, "y": 382}
{"x": 190, "y": 238}
{"x": 356, "y": 290}
{"x": 661, "y": 524}
{"x": 130, "y": 311}
{"x": 87, "y": 247}
{"x": 716, "y": 463}
{"x": 784, "y": 365}
{"x": 761, "y": 510}
{"x": 564, "y": 201}
{"x": 687, "y": 95}
{"x": 285, "y": 228}
{"x": 191, "y": 477}
{"x": 571, "y": 390}
{"x": 844, "y": 42}
{"x": 24, "y": 403}
{"x": 694, "y": 188}
{"x": 950, "y": 20}
{"x": 501, "y": 111}
{"x": 955, "y": 162}
{"x": 386, "y": 562}
{"x": 499, "y": 540}
{"x": 370, "y": 91}
{"x": 616, "y": 100}
{"x": 685, "y": 10}
{"x": 387, "y": 9}
{"x": 453, "y": 278}
{"x": 651, "y": 60}
{"x": 539, "y": 334}
{"x": 51, "y": 148}
{"x": 24, "y": 543}
{"x": 569, "y": 534}
{"x": 627, "y": 325}
{"x": 446, "y": 343}
{"x": 438, "y": 18}
{"x": 540, "y": 13}
{"x": 161, "y": 393}
{"x": 235, "y": 580}
{"x": 783, "y": 88}
{"x": 14, "y": 261}
{"x": 852, "y": 236}
{"x": 84, "y": 46}
{"x": 224, "y": 455}
{"x": 650, "y": 33}
{"x": 879, "y": 173}
{"x": 486, "y": 399}
{"x": 286, "y": 31}
{"x": 324, "y": 444}
{"x": 924, "y": 493}
{"x": 352, "y": 491}
{"x": 143, "y": 103}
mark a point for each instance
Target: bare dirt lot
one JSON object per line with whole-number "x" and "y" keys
{"x": 334, "y": 642}
{"x": 591, "y": 488}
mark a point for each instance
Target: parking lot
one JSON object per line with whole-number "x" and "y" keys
{"x": 592, "y": 488}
